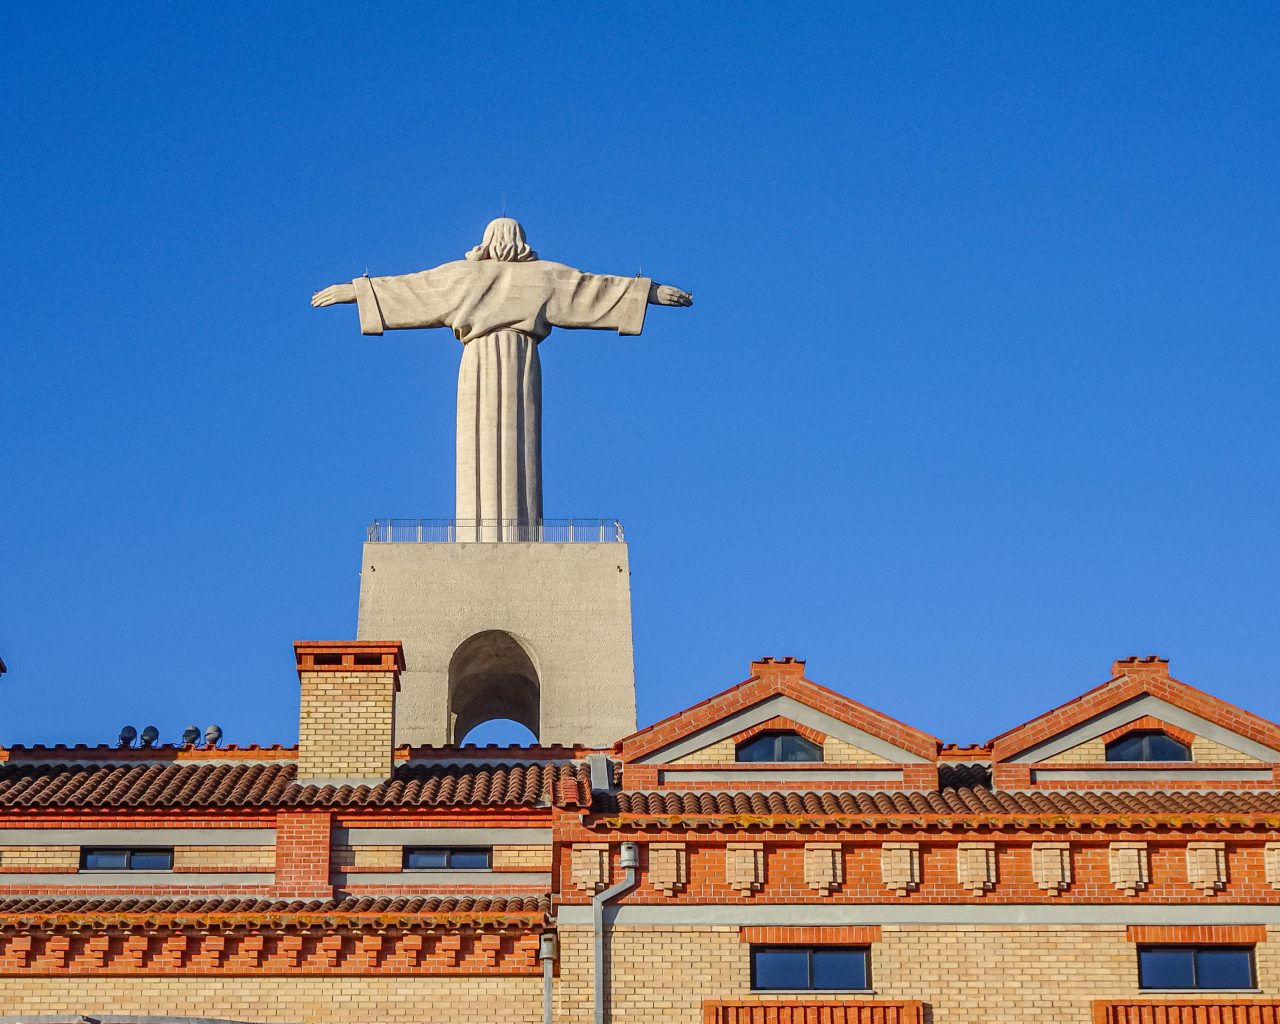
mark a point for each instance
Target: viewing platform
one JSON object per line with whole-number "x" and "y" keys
{"x": 454, "y": 531}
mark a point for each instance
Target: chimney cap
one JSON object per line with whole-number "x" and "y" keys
{"x": 349, "y": 656}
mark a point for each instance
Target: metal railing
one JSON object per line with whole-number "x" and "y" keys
{"x": 452, "y": 531}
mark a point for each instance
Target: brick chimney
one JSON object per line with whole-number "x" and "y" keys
{"x": 347, "y": 720}
{"x": 778, "y": 668}
{"x": 1151, "y": 665}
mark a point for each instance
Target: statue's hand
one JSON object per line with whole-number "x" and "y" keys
{"x": 334, "y": 295}
{"x": 666, "y": 295}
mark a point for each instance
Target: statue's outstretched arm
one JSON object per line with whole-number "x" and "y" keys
{"x": 337, "y": 294}
{"x": 667, "y": 295}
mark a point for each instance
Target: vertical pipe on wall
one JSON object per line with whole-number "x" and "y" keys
{"x": 630, "y": 861}
{"x": 547, "y": 953}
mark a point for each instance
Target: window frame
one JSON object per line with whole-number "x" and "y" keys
{"x": 1145, "y": 735}
{"x": 809, "y": 950}
{"x": 1195, "y": 949}
{"x": 129, "y": 853}
{"x": 777, "y": 735}
{"x": 449, "y": 852}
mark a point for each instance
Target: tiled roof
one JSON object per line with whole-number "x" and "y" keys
{"x": 62, "y": 910}
{"x": 963, "y": 776}
{"x": 958, "y": 801}
{"x": 231, "y": 784}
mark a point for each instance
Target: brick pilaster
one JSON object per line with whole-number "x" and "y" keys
{"x": 302, "y": 855}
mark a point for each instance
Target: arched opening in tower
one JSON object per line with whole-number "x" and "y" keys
{"x": 491, "y": 676}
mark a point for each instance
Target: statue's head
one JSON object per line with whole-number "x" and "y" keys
{"x": 503, "y": 241}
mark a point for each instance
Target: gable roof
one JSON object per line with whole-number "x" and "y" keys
{"x": 1138, "y": 688}
{"x": 779, "y": 688}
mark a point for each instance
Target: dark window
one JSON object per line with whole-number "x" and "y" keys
{"x": 436, "y": 858}
{"x": 1147, "y": 746}
{"x": 142, "y": 858}
{"x": 1195, "y": 967}
{"x": 821, "y": 968}
{"x": 777, "y": 747}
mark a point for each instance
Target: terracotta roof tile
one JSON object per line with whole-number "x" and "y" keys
{"x": 62, "y": 910}
{"x": 230, "y": 784}
{"x": 959, "y": 800}
{"x": 964, "y": 776}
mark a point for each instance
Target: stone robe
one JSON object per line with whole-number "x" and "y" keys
{"x": 500, "y": 312}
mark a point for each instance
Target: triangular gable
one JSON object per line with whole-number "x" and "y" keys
{"x": 1139, "y": 688}
{"x": 779, "y": 689}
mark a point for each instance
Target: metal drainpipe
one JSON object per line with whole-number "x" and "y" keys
{"x": 630, "y": 861}
{"x": 547, "y": 953}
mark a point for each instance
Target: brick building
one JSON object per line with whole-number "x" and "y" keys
{"x": 776, "y": 854}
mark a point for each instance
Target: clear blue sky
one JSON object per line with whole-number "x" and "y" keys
{"x": 978, "y": 394}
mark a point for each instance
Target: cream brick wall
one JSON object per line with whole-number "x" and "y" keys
{"x": 39, "y": 857}
{"x": 720, "y": 752}
{"x": 305, "y": 1000}
{"x": 971, "y": 974}
{"x": 1205, "y": 750}
{"x": 345, "y": 725}
{"x": 380, "y": 858}
{"x": 974, "y": 974}
{"x": 209, "y": 858}
{"x": 507, "y": 858}
{"x": 834, "y": 751}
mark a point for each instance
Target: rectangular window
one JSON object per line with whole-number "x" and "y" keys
{"x": 120, "y": 858}
{"x": 816, "y": 968}
{"x": 1195, "y": 967}
{"x": 448, "y": 858}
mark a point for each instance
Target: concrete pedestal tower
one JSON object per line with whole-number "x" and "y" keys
{"x": 503, "y": 614}
{"x": 538, "y": 632}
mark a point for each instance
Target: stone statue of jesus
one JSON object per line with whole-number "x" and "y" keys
{"x": 500, "y": 302}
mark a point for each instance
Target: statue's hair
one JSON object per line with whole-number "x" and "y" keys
{"x": 503, "y": 241}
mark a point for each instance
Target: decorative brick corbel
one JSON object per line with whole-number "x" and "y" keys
{"x": 1051, "y": 866}
{"x": 56, "y": 948}
{"x": 668, "y": 867}
{"x": 823, "y": 867}
{"x": 210, "y": 952}
{"x": 173, "y": 951}
{"x": 134, "y": 953}
{"x": 744, "y": 867}
{"x": 527, "y": 949}
{"x": 976, "y": 867}
{"x": 491, "y": 947}
{"x": 1129, "y": 866}
{"x": 450, "y": 948}
{"x": 900, "y": 867}
{"x": 251, "y": 948}
{"x": 331, "y": 948}
{"x": 412, "y": 948}
{"x": 1207, "y": 867}
{"x": 591, "y": 866}
{"x": 290, "y": 949}
{"x": 18, "y": 950}
{"x": 96, "y": 950}
{"x": 370, "y": 947}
